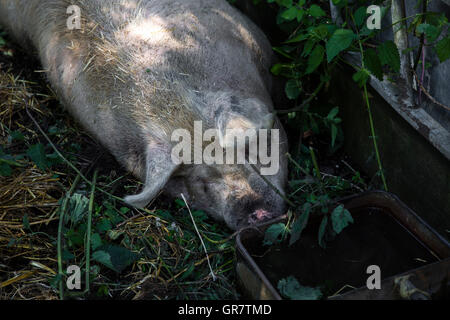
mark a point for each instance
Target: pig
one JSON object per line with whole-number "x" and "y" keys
{"x": 131, "y": 72}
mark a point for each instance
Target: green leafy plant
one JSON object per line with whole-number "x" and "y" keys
{"x": 290, "y": 288}
{"x": 316, "y": 43}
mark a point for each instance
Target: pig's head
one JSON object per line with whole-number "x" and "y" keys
{"x": 239, "y": 191}
{"x": 235, "y": 193}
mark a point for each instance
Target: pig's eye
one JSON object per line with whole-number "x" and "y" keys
{"x": 205, "y": 187}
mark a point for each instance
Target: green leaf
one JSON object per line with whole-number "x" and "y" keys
{"x": 322, "y": 228}
{"x": 292, "y": 289}
{"x": 180, "y": 203}
{"x": 290, "y": 14}
{"x": 334, "y": 132}
{"x": 103, "y": 225}
{"x": 389, "y": 55}
{"x": 285, "y": 3}
{"x": 361, "y": 77}
{"x": 300, "y": 15}
{"x": 5, "y": 169}
{"x": 292, "y": 89}
{"x": 37, "y": 154}
{"x": 274, "y": 234}
{"x": 340, "y": 218}
{"x": 15, "y": 135}
{"x": 299, "y": 225}
{"x": 339, "y": 41}
{"x": 114, "y": 257}
{"x": 78, "y": 207}
{"x": 188, "y": 272}
{"x": 309, "y": 45}
{"x": 315, "y": 59}
{"x": 443, "y": 49}
{"x": 276, "y": 69}
{"x": 316, "y": 11}
{"x": 96, "y": 241}
{"x": 431, "y": 32}
{"x": 298, "y": 38}
{"x": 67, "y": 255}
{"x": 333, "y": 113}
{"x": 373, "y": 63}
{"x": 74, "y": 238}
{"x": 360, "y": 16}
{"x": 26, "y": 222}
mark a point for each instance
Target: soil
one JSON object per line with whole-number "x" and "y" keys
{"x": 374, "y": 238}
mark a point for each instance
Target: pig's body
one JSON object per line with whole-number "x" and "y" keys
{"x": 140, "y": 69}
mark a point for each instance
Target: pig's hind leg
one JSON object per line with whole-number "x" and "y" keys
{"x": 159, "y": 168}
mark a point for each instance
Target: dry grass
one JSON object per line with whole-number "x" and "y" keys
{"x": 27, "y": 191}
{"x": 171, "y": 262}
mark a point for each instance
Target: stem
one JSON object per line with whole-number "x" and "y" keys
{"x": 306, "y": 102}
{"x": 316, "y": 165}
{"x": 305, "y": 172}
{"x": 375, "y": 144}
{"x": 65, "y": 160}
{"x": 88, "y": 232}
{"x": 273, "y": 187}
{"x": 60, "y": 235}
{"x": 422, "y": 37}
{"x": 372, "y": 126}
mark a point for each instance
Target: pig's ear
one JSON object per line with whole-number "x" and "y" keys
{"x": 159, "y": 169}
{"x": 227, "y": 122}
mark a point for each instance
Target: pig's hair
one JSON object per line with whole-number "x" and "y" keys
{"x": 169, "y": 94}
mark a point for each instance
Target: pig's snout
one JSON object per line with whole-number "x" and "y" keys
{"x": 260, "y": 216}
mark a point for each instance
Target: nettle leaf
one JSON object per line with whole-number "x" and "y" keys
{"x": 180, "y": 203}
{"x": 15, "y": 135}
{"x": 300, "y": 15}
{"x": 361, "y": 77}
{"x": 188, "y": 271}
{"x": 274, "y": 234}
{"x": 315, "y": 59}
{"x": 322, "y": 228}
{"x": 340, "y": 218}
{"x": 66, "y": 255}
{"x": 443, "y": 49}
{"x": 285, "y": 3}
{"x": 276, "y": 69}
{"x": 37, "y": 154}
{"x": 431, "y": 32}
{"x": 360, "y": 16}
{"x": 321, "y": 31}
{"x": 334, "y": 132}
{"x": 298, "y": 38}
{"x": 373, "y": 63}
{"x": 299, "y": 225}
{"x": 115, "y": 257}
{"x": 96, "y": 241}
{"x": 316, "y": 11}
{"x": 26, "y": 222}
{"x": 339, "y": 41}
{"x": 292, "y": 289}
{"x": 103, "y": 225}
{"x": 78, "y": 207}
{"x": 389, "y": 55}
{"x": 309, "y": 45}
{"x": 290, "y": 14}
{"x": 292, "y": 89}
{"x": 5, "y": 169}
{"x": 333, "y": 113}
